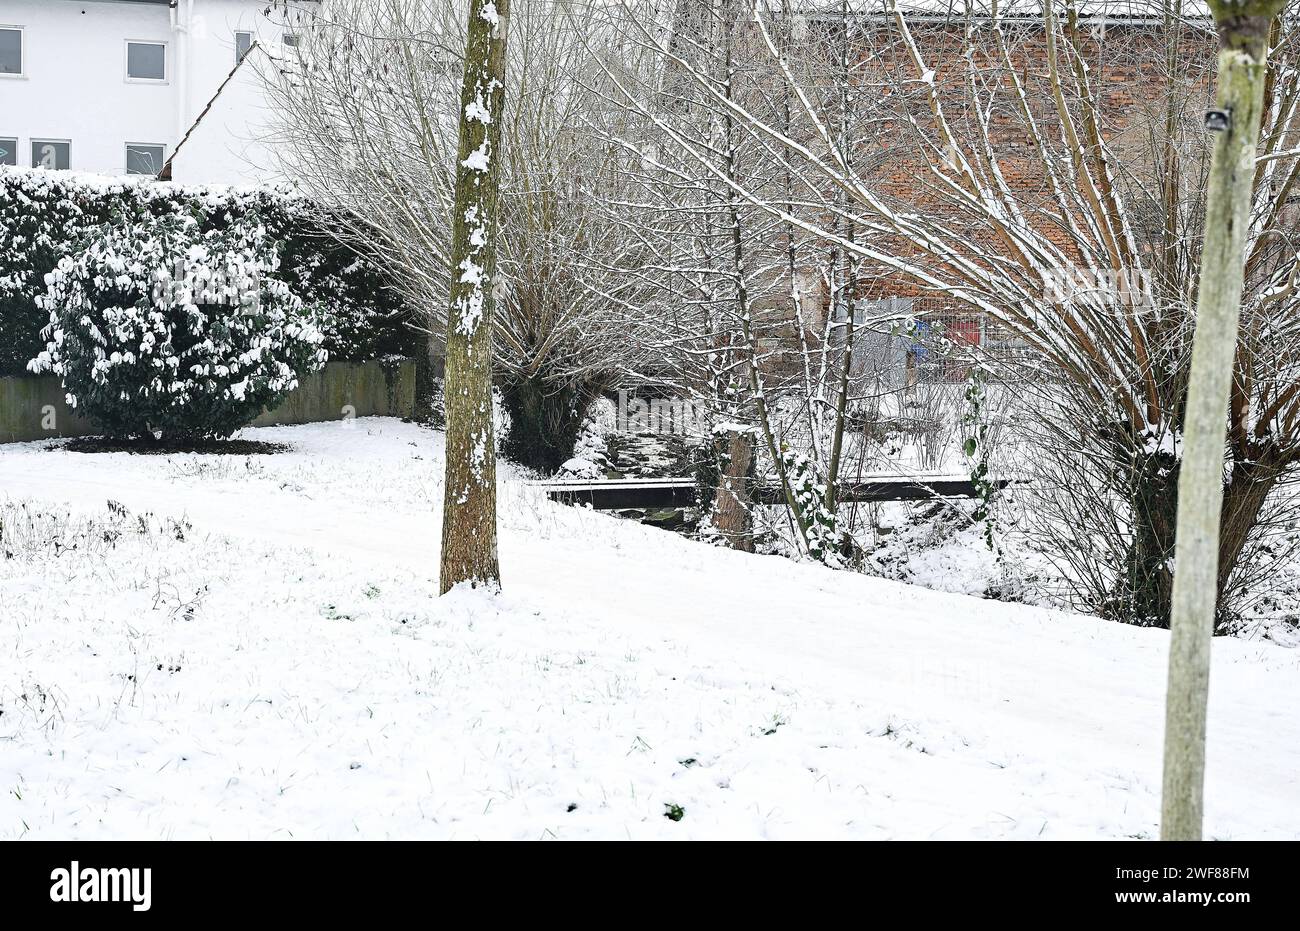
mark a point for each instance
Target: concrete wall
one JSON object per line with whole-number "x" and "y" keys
{"x": 32, "y": 407}
{"x": 344, "y": 389}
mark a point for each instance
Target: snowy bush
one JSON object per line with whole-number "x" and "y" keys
{"x": 821, "y": 530}
{"x": 45, "y": 216}
{"x": 156, "y": 324}
{"x": 39, "y": 222}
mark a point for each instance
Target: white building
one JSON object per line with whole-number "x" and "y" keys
{"x": 113, "y": 86}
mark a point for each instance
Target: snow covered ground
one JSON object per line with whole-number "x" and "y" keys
{"x": 252, "y": 647}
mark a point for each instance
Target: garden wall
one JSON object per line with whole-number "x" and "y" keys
{"x": 32, "y": 407}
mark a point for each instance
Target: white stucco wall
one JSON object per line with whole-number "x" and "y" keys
{"x": 75, "y": 86}
{"x": 229, "y": 146}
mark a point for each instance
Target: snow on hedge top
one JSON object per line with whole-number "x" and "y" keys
{"x": 146, "y": 185}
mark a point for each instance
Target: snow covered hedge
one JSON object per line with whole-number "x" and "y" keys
{"x": 45, "y": 216}
{"x": 156, "y": 324}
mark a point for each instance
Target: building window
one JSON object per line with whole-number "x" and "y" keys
{"x": 291, "y": 40}
{"x": 8, "y": 151}
{"x": 146, "y": 61}
{"x": 243, "y": 45}
{"x": 52, "y": 154}
{"x": 144, "y": 158}
{"x": 11, "y": 51}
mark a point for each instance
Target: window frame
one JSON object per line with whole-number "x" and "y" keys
{"x": 252, "y": 40}
{"x": 15, "y": 140}
{"x": 167, "y": 61}
{"x": 22, "y": 53}
{"x": 33, "y": 142}
{"x": 126, "y": 149}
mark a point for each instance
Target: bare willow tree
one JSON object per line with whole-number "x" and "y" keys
{"x": 369, "y": 104}
{"x": 563, "y": 338}
{"x": 1019, "y": 185}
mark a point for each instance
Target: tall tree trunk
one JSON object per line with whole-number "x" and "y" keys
{"x": 469, "y": 511}
{"x": 744, "y": 310}
{"x": 1243, "y": 31}
{"x": 849, "y": 282}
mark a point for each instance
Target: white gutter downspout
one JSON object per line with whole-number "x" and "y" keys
{"x": 181, "y": 23}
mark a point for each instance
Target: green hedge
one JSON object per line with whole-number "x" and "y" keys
{"x": 47, "y": 215}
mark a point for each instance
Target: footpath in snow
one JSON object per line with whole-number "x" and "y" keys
{"x": 253, "y": 647}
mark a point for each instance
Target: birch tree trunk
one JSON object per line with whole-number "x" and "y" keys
{"x": 469, "y": 511}
{"x": 1243, "y": 31}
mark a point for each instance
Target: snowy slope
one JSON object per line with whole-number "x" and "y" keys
{"x": 286, "y": 670}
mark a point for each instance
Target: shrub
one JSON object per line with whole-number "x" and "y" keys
{"x": 40, "y": 221}
{"x": 45, "y": 216}
{"x": 157, "y": 324}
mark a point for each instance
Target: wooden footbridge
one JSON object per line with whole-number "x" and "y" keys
{"x": 655, "y": 493}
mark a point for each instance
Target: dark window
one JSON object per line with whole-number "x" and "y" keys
{"x": 243, "y": 45}
{"x": 146, "y": 61}
{"x": 53, "y": 155}
{"x": 11, "y": 51}
{"x": 144, "y": 159}
{"x": 8, "y": 151}
{"x": 290, "y": 40}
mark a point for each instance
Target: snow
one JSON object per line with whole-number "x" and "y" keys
{"x": 578, "y": 467}
{"x": 475, "y": 110}
{"x": 254, "y": 648}
{"x": 478, "y": 160}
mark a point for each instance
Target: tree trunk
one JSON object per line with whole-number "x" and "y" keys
{"x": 1247, "y": 490}
{"x": 1147, "y": 589}
{"x": 731, "y": 508}
{"x": 545, "y": 419}
{"x": 469, "y": 512}
{"x": 1243, "y": 31}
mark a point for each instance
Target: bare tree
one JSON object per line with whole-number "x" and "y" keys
{"x": 369, "y": 108}
{"x": 739, "y": 292}
{"x": 469, "y": 512}
{"x": 705, "y": 259}
{"x": 368, "y": 112}
{"x": 1035, "y": 201}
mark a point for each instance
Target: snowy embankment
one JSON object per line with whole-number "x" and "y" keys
{"x": 264, "y": 656}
